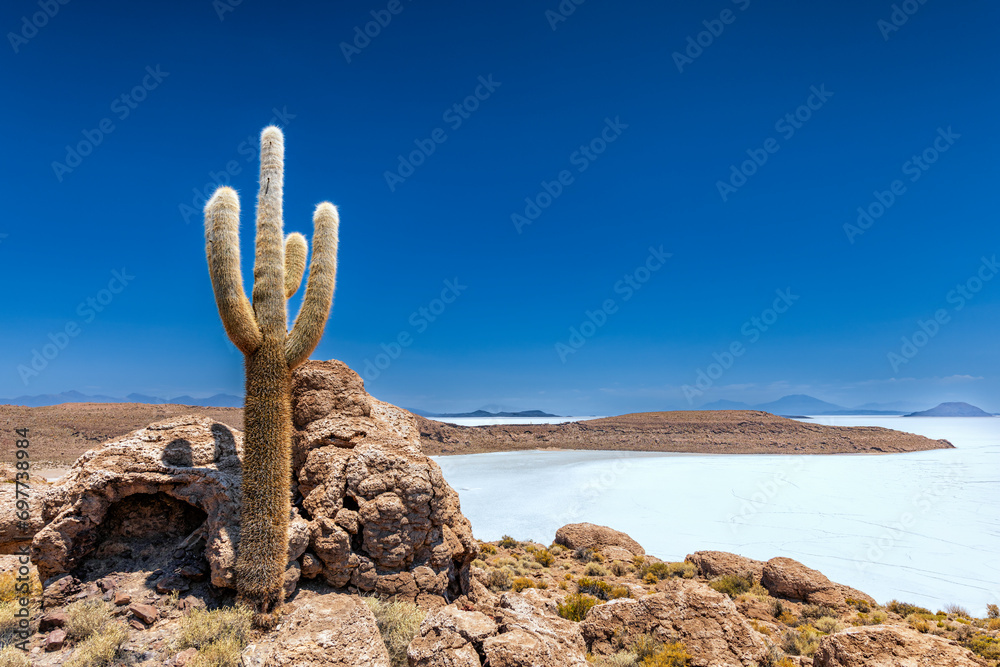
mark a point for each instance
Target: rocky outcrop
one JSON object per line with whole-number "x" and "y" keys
{"x": 721, "y": 563}
{"x": 891, "y": 646}
{"x": 784, "y": 577}
{"x": 612, "y": 544}
{"x": 371, "y": 511}
{"x": 523, "y": 630}
{"x": 172, "y": 475}
{"x": 707, "y": 622}
{"x": 328, "y": 630}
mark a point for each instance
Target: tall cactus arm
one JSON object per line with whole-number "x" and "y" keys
{"x": 308, "y": 328}
{"x": 295, "y": 262}
{"x": 269, "y": 267}
{"x": 222, "y": 248}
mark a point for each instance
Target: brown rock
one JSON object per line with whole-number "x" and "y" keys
{"x": 329, "y": 630}
{"x": 449, "y": 637}
{"x": 784, "y": 577}
{"x": 137, "y": 625}
{"x": 184, "y": 657}
{"x": 55, "y": 639}
{"x": 532, "y": 634}
{"x": 707, "y": 622}
{"x": 613, "y": 544}
{"x": 144, "y": 612}
{"x": 57, "y": 590}
{"x": 122, "y": 598}
{"x": 171, "y": 583}
{"x": 192, "y": 571}
{"x": 311, "y": 566}
{"x": 291, "y": 578}
{"x": 890, "y": 646}
{"x": 51, "y": 620}
{"x": 720, "y": 563}
{"x": 190, "y": 602}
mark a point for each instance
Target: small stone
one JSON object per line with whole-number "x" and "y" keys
{"x": 185, "y": 656}
{"x": 192, "y": 571}
{"x": 137, "y": 625}
{"x": 52, "y": 620}
{"x": 144, "y": 612}
{"x": 171, "y": 583}
{"x": 179, "y": 553}
{"x": 190, "y": 602}
{"x": 55, "y": 640}
{"x": 106, "y": 584}
{"x": 121, "y": 597}
{"x": 108, "y": 597}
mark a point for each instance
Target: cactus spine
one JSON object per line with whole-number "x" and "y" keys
{"x": 271, "y": 352}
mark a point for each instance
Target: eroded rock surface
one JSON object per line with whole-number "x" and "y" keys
{"x": 721, "y": 563}
{"x": 891, "y": 646}
{"x": 612, "y": 544}
{"x": 784, "y": 577}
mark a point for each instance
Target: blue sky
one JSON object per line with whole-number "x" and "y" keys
{"x": 618, "y": 193}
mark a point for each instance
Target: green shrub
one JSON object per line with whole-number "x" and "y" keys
{"x": 828, "y": 624}
{"x": 85, "y": 618}
{"x": 508, "y": 542}
{"x": 904, "y": 609}
{"x": 595, "y": 570}
{"x": 398, "y": 623}
{"x": 601, "y": 589}
{"x": 225, "y": 652}
{"x": 576, "y": 606}
{"x": 618, "y": 568}
{"x": 201, "y": 627}
{"x": 992, "y": 611}
{"x": 521, "y": 583}
{"x": 986, "y": 646}
{"x": 487, "y": 549}
{"x": 499, "y": 579}
{"x": 671, "y": 655}
{"x": 619, "y": 659}
{"x": 818, "y": 611}
{"x": 586, "y": 554}
{"x": 732, "y": 584}
{"x": 544, "y": 557}
{"x": 100, "y": 648}
{"x": 803, "y": 640}
{"x": 861, "y": 605}
{"x": 644, "y": 646}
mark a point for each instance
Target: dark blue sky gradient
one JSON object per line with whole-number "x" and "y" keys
{"x": 345, "y": 124}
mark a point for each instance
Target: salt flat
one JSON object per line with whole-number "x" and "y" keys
{"x": 922, "y": 527}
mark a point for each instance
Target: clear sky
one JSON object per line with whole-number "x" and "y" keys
{"x": 673, "y": 169}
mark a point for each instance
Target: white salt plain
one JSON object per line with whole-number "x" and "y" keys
{"x": 923, "y": 527}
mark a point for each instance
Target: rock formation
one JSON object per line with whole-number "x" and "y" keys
{"x": 891, "y": 646}
{"x": 612, "y": 544}
{"x": 370, "y": 511}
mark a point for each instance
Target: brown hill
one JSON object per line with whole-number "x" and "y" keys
{"x": 696, "y": 431}
{"x": 59, "y": 434}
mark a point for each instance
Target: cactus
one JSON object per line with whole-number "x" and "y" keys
{"x": 271, "y": 352}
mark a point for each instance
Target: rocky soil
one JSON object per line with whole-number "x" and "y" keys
{"x": 696, "y": 432}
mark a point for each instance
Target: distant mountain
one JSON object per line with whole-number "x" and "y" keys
{"x": 951, "y": 410}
{"x": 40, "y": 400}
{"x": 801, "y": 404}
{"x": 482, "y": 414}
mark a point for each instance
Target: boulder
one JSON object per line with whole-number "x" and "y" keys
{"x": 784, "y": 577}
{"x": 720, "y": 563}
{"x": 190, "y": 465}
{"x": 321, "y": 630}
{"x": 521, "y": 630}
{"x": 612, "y": 544}
{"x": 706, "y": 621}
{"x": 381, "y": 515}
{"x": 891, "y": 646}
